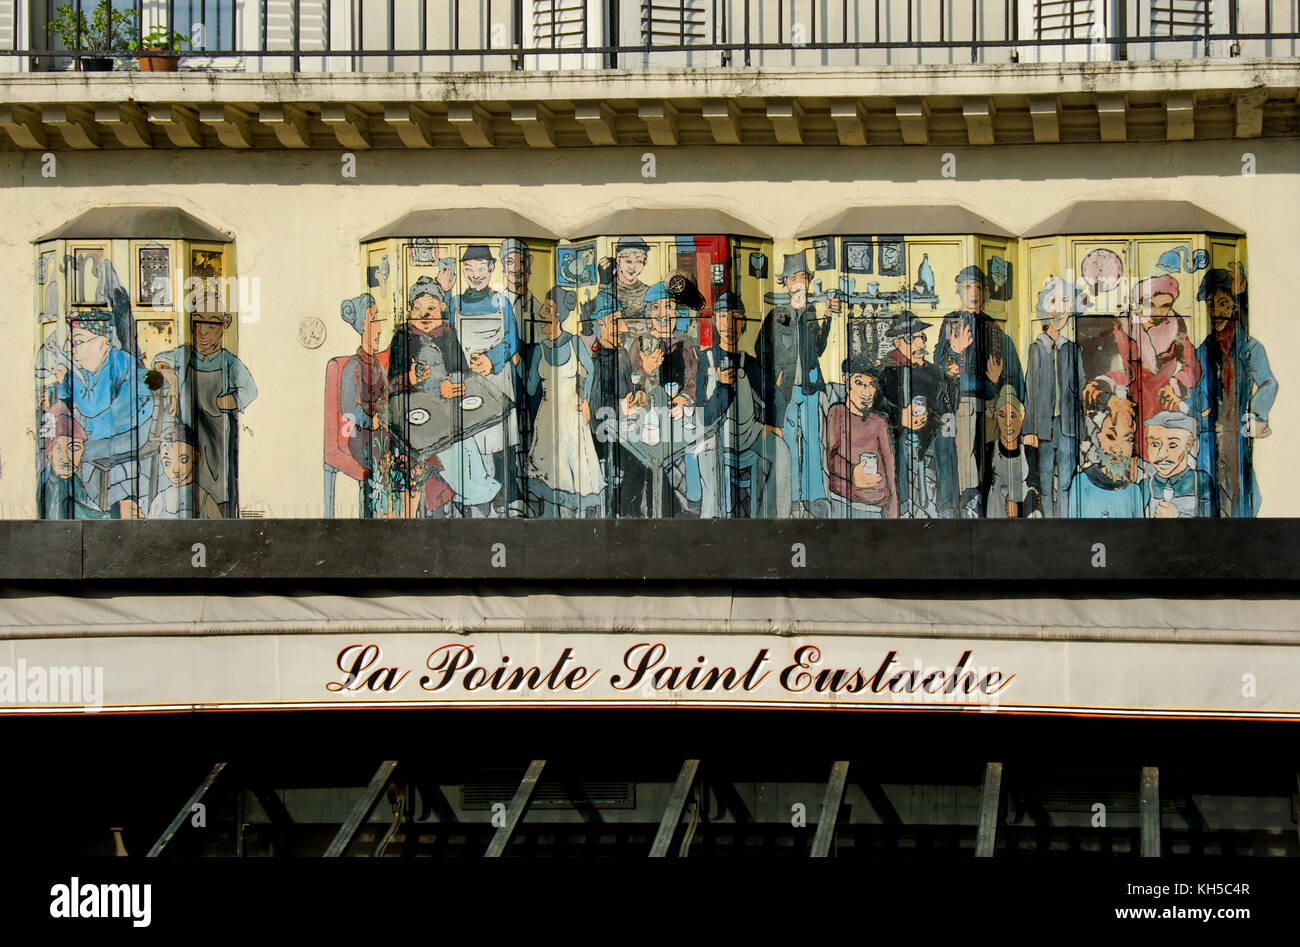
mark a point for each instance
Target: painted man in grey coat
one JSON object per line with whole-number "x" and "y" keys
{"x": 1052, "y": 395}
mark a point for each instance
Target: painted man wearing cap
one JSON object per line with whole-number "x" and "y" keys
{"x": 1105, "y": 488}
{"x": 1009, "y": 472}
{"x": 517, "y": 268}
{"x": 1174, "y": 487}
{"x": 621, "y": 276}
{"x": 673, "y": 357}
{"x": 486, "y": 324}
{"x": 790, "y": 343}
{"x": 973, "y": 349}
{"x": 1158, "y": 367}
{"x": 207, "y": 387}
{"x": 612, "y": 398}
{"x": 736, "y": 390}
{"x": 916, "y": 397}
{"x": 1236, "y": 393}
{"x": 61, "y": 494}
{"x": 110, "y": 393}
{"x": 1052, "y": 394}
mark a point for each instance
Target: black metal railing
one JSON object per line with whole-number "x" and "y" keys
{"x": 484, "y": 35}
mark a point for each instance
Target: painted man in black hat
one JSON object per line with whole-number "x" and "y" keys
{"x": 621, "y": 276}
{"x": 973, "y": 349}
{"x": 736, "y": 392}
{"x": 790, "y": 344}
{"x": 485, "y": 322}
{"x": 916, "y": 399}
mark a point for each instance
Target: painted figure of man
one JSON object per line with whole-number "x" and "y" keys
{"x": 790, "y": 343}
{"x": 614, "y": 397}
{"x": 1052, "y": 395}
{"x": 363, "y": 396}
{"x": 1106, "y": 487}
{"x": 108, "y": 391}
{"x": 486, "y": 324}
{"x": 1174, "y": 487}
{"x": 61, "y": 494}
{"x": 735, "y": 388}
{"x": 672, "y": 358}
{"x": 917, "y": 397}
{"x": 622, "y": 278}
{"x": 973, "y": 349}
{"x": 1158, "y": 367}
{"x": 206, "y": 388}
{"x": 517, "y": 268}
{"x": 1237, "y": 391}
{"x": 859, "y": 449}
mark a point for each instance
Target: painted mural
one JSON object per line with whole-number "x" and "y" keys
{"x": 138, "y": 388}
{"x": 848, "y": 376}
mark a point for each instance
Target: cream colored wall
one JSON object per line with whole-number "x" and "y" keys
{"x": 298, "y": 224}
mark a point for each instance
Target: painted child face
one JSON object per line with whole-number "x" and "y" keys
{"x": 862, "y": 393}
{"x": 630, "y": 263}
{"x": 477, "y": 273}
{"x": 1167, "y": 447}
{"x": 1010, "y": 420}
{"x": 178, "y": 461}
{"x": 426, "y": 313}
{"x": 729, "y": 325}
{"x": 65, "y": 456}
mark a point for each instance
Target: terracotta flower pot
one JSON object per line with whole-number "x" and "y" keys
{"x": 158, "y": 60}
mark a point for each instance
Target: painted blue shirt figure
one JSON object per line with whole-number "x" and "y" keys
{"x": 1234, "y": 396}
{"x": 106, "y": 386}
{"x": 487, "y": 327}
{"x": 206, "y": 387}
{"x": 790, "y": 344}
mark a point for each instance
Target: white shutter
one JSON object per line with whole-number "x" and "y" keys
{"x": 557, "y": 23}
{"x": 674, "y": 22}
{"x": 279, "y": 24}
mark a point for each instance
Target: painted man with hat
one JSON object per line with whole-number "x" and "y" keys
{"x": 1236, "y": 393}
{"x": 1175, "y": 487}
{"x": 487, "y": 326}
{"x": 612, "y": 398}
{"x": 916, "y": 397}
{"x": 61, "y": 494}
{"x": 671, "y": 357}
{"x": 973, "y": 349}
{"x": 1158, "y": 367}
{"x": 738, "y": 395}
{"x": 859, "y": 448}
{"x": 621, "y": 276}
{"x": 790, "y": 343}
{"x": 109, "y": 392}
{"x": 207, "y": 387}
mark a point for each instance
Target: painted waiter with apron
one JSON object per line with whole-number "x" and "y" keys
{"x": 206, "y": 388}
{"x": 485, "y": 322}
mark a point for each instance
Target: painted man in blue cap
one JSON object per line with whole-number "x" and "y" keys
{"x": 736, "y": 389}
{"x": 916, "y": 399}
{"x": 487, "y": 327}
{"x": 667, "y": 357}
{"x": 614, "y": 397}
{"x": 790, "y": 343}
{"x": 973, "y": 349}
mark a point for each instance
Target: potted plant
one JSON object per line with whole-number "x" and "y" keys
{"x": 159, "y": 50}
{"x": 105, "y": 32}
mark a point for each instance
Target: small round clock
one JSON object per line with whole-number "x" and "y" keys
{"x": 311, "y": 332}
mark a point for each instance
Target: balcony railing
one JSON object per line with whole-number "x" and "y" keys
{"x": 316, "y": 36}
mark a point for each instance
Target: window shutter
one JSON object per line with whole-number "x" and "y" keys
{"x": 1180, "y": 17}
{"x": 558, "y": 23}
{"x": 1063, "y": 19}
{"x": 280, "y": 26}
{"x": 674, "y": 22}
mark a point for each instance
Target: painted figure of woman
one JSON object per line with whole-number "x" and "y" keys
{"x": 563, "y": 470}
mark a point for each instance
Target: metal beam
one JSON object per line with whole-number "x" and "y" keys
{"x": 986, "y": 838}
{"x": 516, "y": 810}
{"x": 363, "y": 807}
{"x": 831, "y": 802}
{"x": 673, "y": 814}
{"x": 1149, "y": 808}
{"x": 174, "y": 826}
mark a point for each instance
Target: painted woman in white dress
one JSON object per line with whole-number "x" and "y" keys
{"x": 563, "y": 469}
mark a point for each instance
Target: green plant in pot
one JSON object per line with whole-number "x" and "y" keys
{"x": 159, "y": 49}
{"x": 104, "y": 32}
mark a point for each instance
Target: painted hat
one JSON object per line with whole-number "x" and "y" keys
{"x": 1008, "y": 396}
{"x": 631, "y": 243}
{"x": 97, "y": 321}
{"x": 973, "y": 273}
{"x": 657, "y": 292}
{"x": 731, "y": 302}
{"x": 794, "y": 263}
{"x": 605, "y": 304}
{"x": 477, "y": 251}
{"x": 1146, "y": 289}
{"x": 514, "y": 245}
{"x": 905, "y": 323}
{"x": 425, "y": 286}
